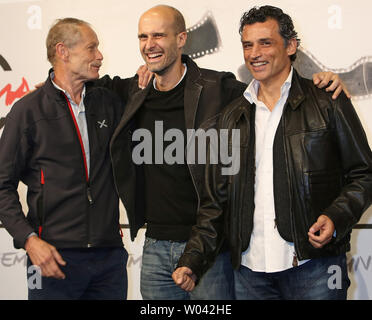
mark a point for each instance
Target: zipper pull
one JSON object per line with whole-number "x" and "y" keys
{"x": 42, "y": 177}
{"x": 40, "y": 231}
{"x": 295, "y": 261}
{"x": 89, "y": 195}
{"x": 274, "y": 223}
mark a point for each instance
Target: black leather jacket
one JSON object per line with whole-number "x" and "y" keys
{"x": 328, "y": 170}
{"x": 206, "y": 93}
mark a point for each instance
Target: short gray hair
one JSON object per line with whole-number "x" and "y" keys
{"x": 65, "y": 30}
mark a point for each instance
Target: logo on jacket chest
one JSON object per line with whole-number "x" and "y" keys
{"x": 102, "y": 124}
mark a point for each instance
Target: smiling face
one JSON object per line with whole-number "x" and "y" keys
{"x": 84, "y": 58}
{"x": 160, "y": 43}
{"x": 265, "y": 53}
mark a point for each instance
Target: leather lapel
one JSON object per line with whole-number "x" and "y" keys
{"x": 134, "y": 103}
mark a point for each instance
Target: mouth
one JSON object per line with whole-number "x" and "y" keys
{"x": 154, "y": 56}
{"x": 96, "y": 67}
{"x": 258, "y": 65}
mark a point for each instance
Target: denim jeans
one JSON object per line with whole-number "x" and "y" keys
{"x": 159, "y": 260}
{"x": 317, "y": 279}
{"x": 94, "y": 273}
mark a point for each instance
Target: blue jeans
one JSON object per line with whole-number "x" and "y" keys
{"x": 91, "y": 273}
{"x": 159, "y": 260}
{"x": 317, "y": 279}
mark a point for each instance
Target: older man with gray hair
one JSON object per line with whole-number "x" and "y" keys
{"x": 56, "y": 141}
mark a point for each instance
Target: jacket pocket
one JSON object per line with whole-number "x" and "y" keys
{"x": 321, "y": 189}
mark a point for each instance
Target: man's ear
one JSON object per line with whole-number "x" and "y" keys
{"x": 291, "y": 47}
{"x": 62, "y": 51}
{"x": 182, "y": 37}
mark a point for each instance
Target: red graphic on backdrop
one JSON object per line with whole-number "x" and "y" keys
{"x": 13, "y": 95}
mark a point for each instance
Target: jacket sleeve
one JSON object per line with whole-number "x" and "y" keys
{"x": 356, "y": 195}
{"x": 207, "y": 235}
{"x": 122, "y": 87}
{"x": 14, "y": 151}
{"x": 232, "y": 88}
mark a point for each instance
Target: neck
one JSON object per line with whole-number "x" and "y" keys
{"x": 168, "y": 80}
{"x": 269, "y": 91}
{"x": 74, "y": 87}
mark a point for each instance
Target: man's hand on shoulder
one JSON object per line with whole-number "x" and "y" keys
{"x": 144, "y": 76}
{"x": 333, "y": 81}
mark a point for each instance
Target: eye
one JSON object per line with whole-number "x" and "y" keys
{"x": 266, "y": 43}
{"x": 158, "y": 35}
{"x": 247, "y": 45}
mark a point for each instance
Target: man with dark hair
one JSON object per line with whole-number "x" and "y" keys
{"x": 305, "y": 176}
{"x": 56, "y": 141}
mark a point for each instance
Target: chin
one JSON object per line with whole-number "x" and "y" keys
{"x": 94, "y": 76}
{"x": 155, "y": 69}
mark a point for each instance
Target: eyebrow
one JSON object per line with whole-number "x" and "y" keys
{"x": 259, "y": 40}
{"x": 93, "y": 43}
{"x": 142, "y": 35}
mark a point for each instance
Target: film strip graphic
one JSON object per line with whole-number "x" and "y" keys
{"x": 203, "y": 38}
{"x": 357, "y": 77}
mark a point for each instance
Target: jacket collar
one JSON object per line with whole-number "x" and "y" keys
{"x": 296, "y": 94}
{"x": 192, "y": 93}
{"x": 52, "y": 91}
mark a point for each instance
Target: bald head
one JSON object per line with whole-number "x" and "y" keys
{"x": 167, "y": 13}
{"x": 162, "y": 36}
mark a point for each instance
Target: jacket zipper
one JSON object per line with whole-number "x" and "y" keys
{"x": 297, "y": 254}
{"x": 117, "y": 191}
{"x": 40, "y": 206}
{"x": 88, "y": 190}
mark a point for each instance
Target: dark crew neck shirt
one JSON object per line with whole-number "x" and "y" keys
{"x": 169, "y": 193}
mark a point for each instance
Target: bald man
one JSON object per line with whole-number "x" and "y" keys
{"x": 165, "y": 195}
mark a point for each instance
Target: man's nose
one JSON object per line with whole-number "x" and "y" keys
{"x": 256, "y": 51}
{"x": 99, "y": 55}
{"x": 150, "y": 43}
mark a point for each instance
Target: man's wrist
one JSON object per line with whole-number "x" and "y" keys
{"x": 31, "y": 235}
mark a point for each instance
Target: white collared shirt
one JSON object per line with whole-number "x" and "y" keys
{"x": 79, "y": 113}
{"x": 267, "y": 251}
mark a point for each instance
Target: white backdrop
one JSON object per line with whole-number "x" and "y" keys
{"x": 335, "y": 32}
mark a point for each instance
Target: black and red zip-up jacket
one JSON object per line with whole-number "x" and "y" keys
{"x": 41, "y": 147}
